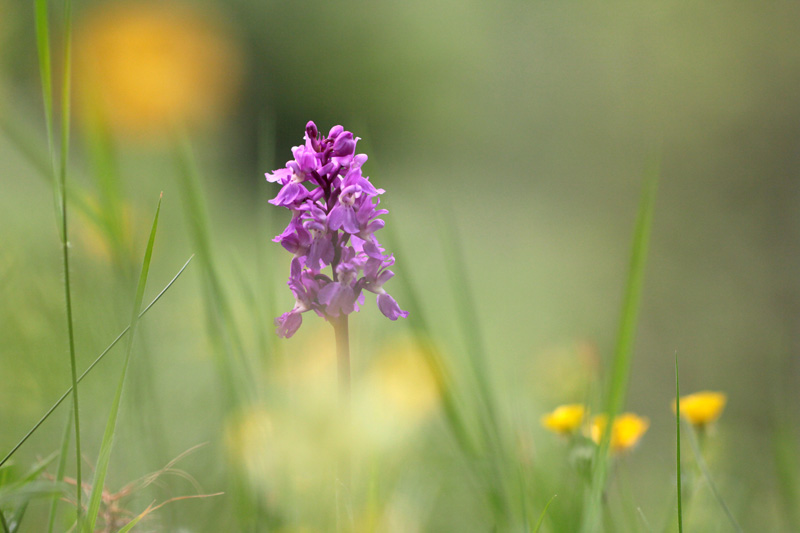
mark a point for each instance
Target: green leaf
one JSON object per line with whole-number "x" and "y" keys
{"x": 108, "y": 437}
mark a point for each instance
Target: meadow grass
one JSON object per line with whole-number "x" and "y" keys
{"x": 623, "y": 352}
{"x": 60, "y": 180}
{"x": 477, "y": 446}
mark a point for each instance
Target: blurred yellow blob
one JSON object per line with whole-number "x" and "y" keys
{"x": 396, "y": 395}
{"x": 146, "y": 67}
{"x": 249, "y": 438}
{"x": 404, "y": 379}
{"x": 702, "y": 408}
{"x": 627, "y": 430}
{"x": 565, "y": 419}
{"x": 563, "y": 370}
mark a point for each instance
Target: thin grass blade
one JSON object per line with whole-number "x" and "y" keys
{"x": 62, "y": 466}
{"x": 544, "y": 513}
{"x": 94, "y": 363}
{"x": 45, "y": 72}
{"x": 108, "y": 437}
{"x": 623, "y": 352}
{"x": 471, "y": 331}
{"x": 701, "y": 463}
{"x": 16, "y": 520}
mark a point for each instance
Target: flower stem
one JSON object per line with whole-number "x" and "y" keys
{"x": 340, "y": 328}
{"x": 343, "y": 358}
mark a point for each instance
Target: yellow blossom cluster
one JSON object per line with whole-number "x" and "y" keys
{"x": 699, "y": 409}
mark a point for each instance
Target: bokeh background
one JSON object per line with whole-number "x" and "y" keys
{"x": 527, "y": 126}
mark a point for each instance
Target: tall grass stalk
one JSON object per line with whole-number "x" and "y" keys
{"x": 99, "y": 358}
{"x": 45, "y": 68}
{"x": 623, "y": 352}
{"x": 108, "y": 436}
{"x": 238, "y": 387}
{"x": 488, "y": 415}
{"x": 62, "y": 466}
{"x": 45, "y": 73}
{"x": 222, "y": 329}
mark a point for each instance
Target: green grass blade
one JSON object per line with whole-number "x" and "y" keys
{"x": 701, "y": 463}
{"x": 108, "y": 436}
{"x": 94, "y": 363}
{"x": 6, "y": 529}
{"x": 423, "y": 336}
{"x": 17, "y": 132}
{"x": 471, "y": 330}
{"x": 16, "y": 520}
{"x": 645, "y": 521}
{"x": 623, "y": 352}
{"x": 42, "y": 30}
{"x": 467, "y": 317}
{"x": 62, "y": 466}
{"x": 678, "y": 444}
{"x": 222, "y": 329}
{"x": 544, "y": 513}
{"x": 45, "y": 72}
{"x": 130, "y": 525}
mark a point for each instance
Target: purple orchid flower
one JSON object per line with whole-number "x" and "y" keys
{"x": 334, "y": 219}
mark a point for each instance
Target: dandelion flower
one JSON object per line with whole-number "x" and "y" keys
{"x": 626, "y": 432}
{"x": 702, "y": 408}
{"x": 565, "y": 419}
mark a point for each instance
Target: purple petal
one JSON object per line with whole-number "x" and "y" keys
{"x": 336, "y": 217}
{"x": 282, "y": 175}
{"x": 350, "y": 221}
{"x": 288, "y": 324}
{"x": 290, "y": 193}
{"x": 344, "y": 145}
{"x": 389, "y": 307}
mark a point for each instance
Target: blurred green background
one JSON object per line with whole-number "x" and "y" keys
{"x": 527, "y": 125}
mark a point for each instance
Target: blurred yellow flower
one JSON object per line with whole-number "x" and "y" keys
{"x": 405, "y": 381}
{"x": 565, "y": 419}
{"x": 397, "y": 395}
{"x": 702, "y": 408}
{"x": 625, "y": 434}
{"x": 249, "y": 437}
{"x": 146, "y": 67}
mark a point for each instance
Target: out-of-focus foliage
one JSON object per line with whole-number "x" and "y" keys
{"x": 532, "y": 122}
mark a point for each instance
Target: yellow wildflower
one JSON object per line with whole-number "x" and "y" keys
{"x": 405, "y": 381}
{"x": 145, "y": 67}
{"x": 625, "y": 434}
{"x": 565, "y": 419}
{"x": 702, "y": 408}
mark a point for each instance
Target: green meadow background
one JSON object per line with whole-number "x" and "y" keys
{"x": 512, "y": 139}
